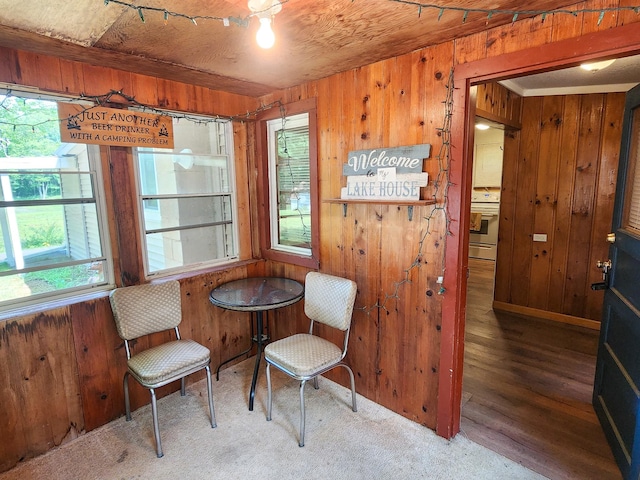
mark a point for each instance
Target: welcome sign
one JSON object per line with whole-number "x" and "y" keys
{"x": 112, "y": 126}
{"x": 386, "y": 173}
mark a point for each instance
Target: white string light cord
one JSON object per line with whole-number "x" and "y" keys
{"x": 439, "y": 9}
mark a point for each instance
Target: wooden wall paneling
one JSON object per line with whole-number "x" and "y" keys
{"x": 165, "y": 91}
{"x": 365, "y": 332}
{"x": 196, "y": 101}
{"x": 564, "y": 197}
{"x": 173, "y": 95}
{"x": 566, "y": 26}
{"x": 251, "y": 162}
{"x": 582, "y": 212}
{"x": 398, "y": 116}
{"x": 496, "y": 103}
{"x": 102, "y": 80}
{"x": 40, "y": 393}
{"x": 525, "y": 194}
{"x": 394, "y": 352}
{"x": 369, "y": 251}
{"x": 484, "y": 98}
{"x": 399, "y": 364}
{"x": 72, "y": 74}
{"x": 336, "y": 109}
{"x": 145, "y": 89}
{"x": 605, "y": 192}
{"x": 102, "y": 361}
{"x": 347, "y": 111}
{"x": 507, "y": 225}
{"x": 514, "y": 108}
{"x": 419, "y": 100}
{"x": 437, "y": 82}
{"x": 225, "y": 332}
{"x": 244, "y": 185}
{"x": 9, "y": 65}
{"x": 518, "y": 36}
{"x": 470, "y": 48}
{"x": 395, "y": 241}
{"x": 125, "y": 203}
{"x": 12, "y": 422}
{"x": 627, "y": 16}
{"x": 591, "y": 22}
{"x": 211, "y": 326}
{"x": 39, "y": 70}
{"x": 500, "y": 99}
{"x": 545, "y": 199}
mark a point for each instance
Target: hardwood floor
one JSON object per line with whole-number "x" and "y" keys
{"x": 527, "y": 388}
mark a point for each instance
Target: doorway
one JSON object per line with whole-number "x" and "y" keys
{"x": 454, "y": 307}
{"x": 530, "y": 378}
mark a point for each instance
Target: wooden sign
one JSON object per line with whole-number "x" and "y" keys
{"x": 386, "y": 173}
{"x": 112, "y": 126}
{"x": 388, "y": 187}
{"x": 403, "y": 159}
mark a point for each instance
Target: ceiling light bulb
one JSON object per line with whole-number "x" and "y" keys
{"x": 595, "y": 66}
{"x": 482, "y": 126}
{"x": 265, "y": 36}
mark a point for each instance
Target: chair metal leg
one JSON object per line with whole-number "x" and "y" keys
{"x": 125, "y": 386}
{"x": 156, "y": 428}
{"x": 353, "y": 387}
{"x": 301, "y": 442}
{"x": 268, "y": 370}
{"x": 182, "y": 387}
{"x": 315, "y": 382}
{"x": 209, "y": 391}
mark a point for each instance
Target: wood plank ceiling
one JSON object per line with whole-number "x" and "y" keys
{"x": 314, "y": 38}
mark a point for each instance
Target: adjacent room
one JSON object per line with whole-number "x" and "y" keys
{"x": 426, "y": 194}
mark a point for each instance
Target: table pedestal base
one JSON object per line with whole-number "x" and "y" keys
{"x": 260, "y": 339}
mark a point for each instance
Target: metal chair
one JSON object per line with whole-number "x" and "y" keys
{"x": 328, "y": 300}
{"x": 144, "y": 309}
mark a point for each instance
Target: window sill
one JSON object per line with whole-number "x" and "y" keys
{"x": 46, "y": 305}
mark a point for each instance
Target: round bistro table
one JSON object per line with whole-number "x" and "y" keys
{"x": 256, "y": 294}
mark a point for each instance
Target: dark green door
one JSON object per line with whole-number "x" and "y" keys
{"x": 616, "y": 394}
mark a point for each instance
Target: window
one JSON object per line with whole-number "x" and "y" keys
{"x": 187, "y": 198}
{"x": 53, "y": 241}
{"x": 289, "y": 150}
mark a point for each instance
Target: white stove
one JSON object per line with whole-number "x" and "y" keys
{"x": 485, "y": 216}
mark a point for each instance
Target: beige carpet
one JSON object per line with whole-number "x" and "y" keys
{"x": 373, "y": 443}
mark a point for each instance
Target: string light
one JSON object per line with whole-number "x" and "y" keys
{"x": 240, "y": 21}
{"x": 441, "y": 182}
{"x": 441, "y": 9}
{"x": 490, "y": 12}
{"x": 106, "y": 99}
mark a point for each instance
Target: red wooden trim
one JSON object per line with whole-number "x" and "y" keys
{"x": 616, "y": 42}
{"x": 620, "y": 41}
{"x": 308, "y": 105}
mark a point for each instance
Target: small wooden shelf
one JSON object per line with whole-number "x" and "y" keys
{"x": 408, "y": 203}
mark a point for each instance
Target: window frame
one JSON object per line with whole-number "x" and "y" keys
{"x": 264, "y": 160}
{"x": 232, "y": 193}
{"x": 94, "y": 155}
